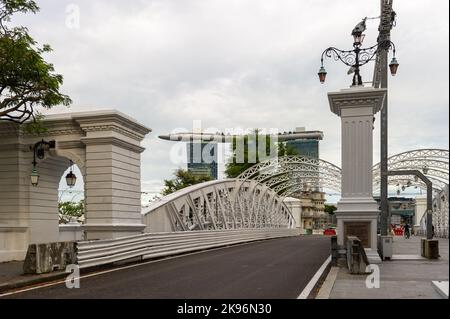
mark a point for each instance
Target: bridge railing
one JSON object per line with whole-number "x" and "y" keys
{"x": 156, "y": 245}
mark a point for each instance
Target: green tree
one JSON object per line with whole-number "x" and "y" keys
{"x": 27, "y": 81}
{"x": 183, "y": 179}
{"x": 69, "y": 210}
{"x": 330, "y": 209}
{"x": 250, "y": 152}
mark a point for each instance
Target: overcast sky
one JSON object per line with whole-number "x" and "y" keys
{"x": 242, "y": 63}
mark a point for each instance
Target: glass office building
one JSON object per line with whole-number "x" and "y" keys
{"x": 305, "y": 147}
{"x": 202, "y": 159}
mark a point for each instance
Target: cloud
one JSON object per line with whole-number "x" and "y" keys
{"x": 243, "y": 64}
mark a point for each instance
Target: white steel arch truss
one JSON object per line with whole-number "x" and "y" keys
{"x": 255, "y": 198}
{"x": 289, "y": 174}
{"x": 219, "y": 205}
{"x": 288, "y": 171}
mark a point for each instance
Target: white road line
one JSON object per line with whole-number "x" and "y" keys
{"x": 121, "y": 268}
{"x": 310, "y": 286}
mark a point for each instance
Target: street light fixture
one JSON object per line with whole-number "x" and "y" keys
{"x": 71, "y": 178}
{"x": 322, "y": 74}
{"x": 39, "y": 152}
{"x": 34, "y": 176}
{"x": 359, "y": 38}
{"x": 393, "y": 66}
{"x": 358, "y": 56}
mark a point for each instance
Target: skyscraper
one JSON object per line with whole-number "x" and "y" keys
{"x": 202, "y": 159}
{"x": 305, "y": 146}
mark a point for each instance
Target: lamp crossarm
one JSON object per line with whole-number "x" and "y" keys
{"x": 357, "y": 57}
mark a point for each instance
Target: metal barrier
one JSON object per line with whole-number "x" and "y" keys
{"x": 154, "y": 245}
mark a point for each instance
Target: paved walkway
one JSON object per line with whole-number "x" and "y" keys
{"x": 399, "y": 279}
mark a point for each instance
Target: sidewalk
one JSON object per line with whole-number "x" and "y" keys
{"x": 407, "y": 276}
{"x": 11, "y": 276}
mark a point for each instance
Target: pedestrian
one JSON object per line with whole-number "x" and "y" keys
{"x": 406, "y": 230}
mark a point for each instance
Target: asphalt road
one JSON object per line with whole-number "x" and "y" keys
{"x": 275, "y": 269}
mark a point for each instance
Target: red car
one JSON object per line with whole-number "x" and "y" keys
{"x": 329, "y": 232}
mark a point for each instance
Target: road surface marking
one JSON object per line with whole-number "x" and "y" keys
{"x": 310, "y": 286}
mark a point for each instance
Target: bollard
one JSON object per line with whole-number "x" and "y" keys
{"x": 334, "y": 251}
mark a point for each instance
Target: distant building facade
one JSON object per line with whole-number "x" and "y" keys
{"x": 305, "y": 146}
{"x": 313, "y": 210}
{"x": 202, "y": 159}
{"x": 401, "y": 209}
{"x": 312, "y": 200}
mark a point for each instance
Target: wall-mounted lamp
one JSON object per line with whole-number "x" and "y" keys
{"x": 39, "y": 153}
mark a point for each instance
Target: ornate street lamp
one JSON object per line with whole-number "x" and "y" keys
{"x": 393, "y": 66}
{"x": 322, "y": 74}
{"x": 34, "y": 176}
{"x": 39, "y": 152}
{"x": 71, "y": 178}
{"x": 358, "y": 56}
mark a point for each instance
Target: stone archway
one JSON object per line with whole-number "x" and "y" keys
{"x": 43, "y": 208}
{"x": 105, "y": 145}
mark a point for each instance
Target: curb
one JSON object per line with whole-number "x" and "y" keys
{"x": 9, "y": 286}
{"x": 328, "y": 284}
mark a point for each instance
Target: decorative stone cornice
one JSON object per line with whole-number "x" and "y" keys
{"x": 111, "y": 121}
{"x": 112, "y": 141}
{"x": 81, "y": 123}
{"x": 113, "y": 128}
{"x": 357, "y": 97}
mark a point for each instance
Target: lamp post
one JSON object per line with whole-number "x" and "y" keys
{"x": 358, "y": 212}
{"x": 359, "y": 56}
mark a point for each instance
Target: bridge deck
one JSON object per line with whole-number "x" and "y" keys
{"x": 279, "y": 268}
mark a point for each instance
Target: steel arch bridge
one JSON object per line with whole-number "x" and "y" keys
{"x": 434, "y": 163}
{"x": 254, "y": 200}
{"x": 219, "y": 205}
{"x": 290, "y": 174}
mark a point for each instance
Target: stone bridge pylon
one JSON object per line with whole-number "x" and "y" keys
{"x": 105, "y": 145}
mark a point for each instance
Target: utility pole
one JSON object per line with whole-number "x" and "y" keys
{"x": 381, "y": 80}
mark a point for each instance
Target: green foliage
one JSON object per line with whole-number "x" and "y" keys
{"x": 27, "y": 81}
{"x": 70, "y": 210}
{"x": 286, "y": 150}
{"x": 183, "y": 179}
{"x": 250, "y": 152}
{"x": 36, "y": 127}
{"x": 330, "y": 209}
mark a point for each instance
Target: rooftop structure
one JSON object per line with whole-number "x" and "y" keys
{"x": 306, "y": 143}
